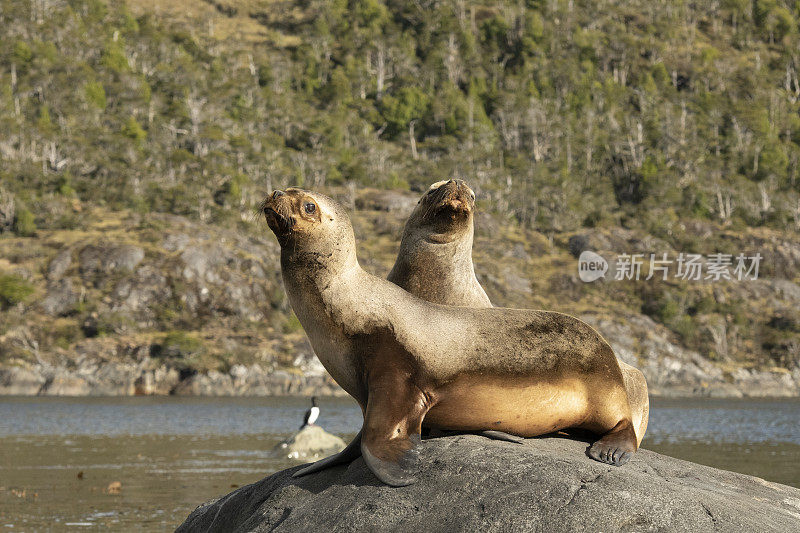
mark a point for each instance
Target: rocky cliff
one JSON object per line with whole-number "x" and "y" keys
{"x": 163, "y": 304}
{"x": 468, "y": 483}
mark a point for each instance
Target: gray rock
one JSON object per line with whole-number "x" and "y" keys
{"x": 8, "y": 211}
{"x": 387, "y": 201}
{"x": 241, "y": 298}
{"x": 201, "y": 264}
{"x": 160, "y": 381}
{"x": 176, "y": 242}
{"x": 59, "y": 264}
{"x": 517, "y": 252}
{"x": 672, "y": 370}
{"x": 255, "y": 381}
{"x": 309, "y": 444}
{"x": 468, "y": 483}
{"x": 60, "y": 298}
{"x": 20, "y": 381}
{"x": 516, "y": 283}
{"x": 786, "y": 290}
{"x": 616, "y": 241}
{"x": 141, "y": 291}
{"x": 100, "y": 260}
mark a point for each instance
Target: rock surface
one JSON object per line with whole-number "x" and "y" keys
{"x": 7, "y": 211}
{"x": 90, "y": 377}
{"x": 310, "y": 443}
{"x": 468, "y": 483}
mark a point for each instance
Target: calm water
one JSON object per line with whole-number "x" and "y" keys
{"x": 171, "y": 454}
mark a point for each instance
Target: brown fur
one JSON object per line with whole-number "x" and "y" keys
{"x": 435, "y": 264}
{"x": 406, "y": 360}
{"x": 435, "y": 258}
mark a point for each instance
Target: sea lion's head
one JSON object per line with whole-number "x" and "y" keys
{"x": 307, "y": 222}
{"x": 446, "y": 210}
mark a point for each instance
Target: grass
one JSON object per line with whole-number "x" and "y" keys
{"x": 14, "y": 290}
{"x": 248, "y": 21}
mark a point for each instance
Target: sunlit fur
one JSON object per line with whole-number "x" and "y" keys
{"x": 435, "y": 264}
{"x": 406, "y": 360}
{"x": 435, "y": 257}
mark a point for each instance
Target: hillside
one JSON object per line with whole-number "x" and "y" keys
{"x": 135, "y": 141}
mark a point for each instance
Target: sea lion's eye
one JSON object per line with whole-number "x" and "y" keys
{"x": 310, "y": 208}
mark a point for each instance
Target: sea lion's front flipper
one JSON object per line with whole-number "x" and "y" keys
{"x": 349, "y": 454}
{"x": 392, "y": 427}
{"x": 501, "y": 435}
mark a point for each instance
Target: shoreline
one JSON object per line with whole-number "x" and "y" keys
{"x": 115, "y": 379}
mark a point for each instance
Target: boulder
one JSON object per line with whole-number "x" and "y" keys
{"x": 469, "y": 483}
{"x": 310, "y": 443}
{"x": 375, "y": 200}
{"x": 59, "y": 264}
{"x": 17, "y": 381}
{"x": 8, "y": 211}
{"x": 255, "y": 381}
{"x": 97, "y": 261}
{"x": 141, "y": 292}
{"x": 60, "y": 298}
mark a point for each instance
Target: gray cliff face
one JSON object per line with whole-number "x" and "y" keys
{"x": 469, "y": 483}
{"x": 107, "y": 297}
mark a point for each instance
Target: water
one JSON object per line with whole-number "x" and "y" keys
{"x": 756, "y": 437}
{"x": 171, "y": 454}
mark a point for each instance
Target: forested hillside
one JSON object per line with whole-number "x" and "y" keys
{"x": 631, "y": 124}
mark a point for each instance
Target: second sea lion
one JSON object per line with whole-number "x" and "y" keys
{"x": 435, "y": 258}
{"x": 435, "y": 264}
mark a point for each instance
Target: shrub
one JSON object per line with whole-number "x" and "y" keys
{"x": 25, "y": 223}
{"x": 96, "y": 94}
{"x": 180, "y": 342}
{"x": 21, "y": 53}
{"x": 113, "y": 58}
{"x": 13, "y": 290}
{"x": 134, "y": 131}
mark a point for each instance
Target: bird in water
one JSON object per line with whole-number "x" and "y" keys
{"x": 312, "y": 414}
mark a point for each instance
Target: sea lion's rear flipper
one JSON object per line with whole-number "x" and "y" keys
{"x": 501, "y": 435}
{"x": 617, "y": 446}
{"x": 349, "y": 454}
{"x": 392, "y": 427}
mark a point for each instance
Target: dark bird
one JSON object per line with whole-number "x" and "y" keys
{"x": 312, "y": 414}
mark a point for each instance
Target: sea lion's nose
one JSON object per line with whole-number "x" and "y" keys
{"x": 277, "y": 194}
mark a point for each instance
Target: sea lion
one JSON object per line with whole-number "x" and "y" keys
{"x": 435, "y": 264}
{"x": 405, "y": 360}
{"x": 435, "y": 258}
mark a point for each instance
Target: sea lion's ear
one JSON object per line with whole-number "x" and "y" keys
{"x": 392, "y": 427}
